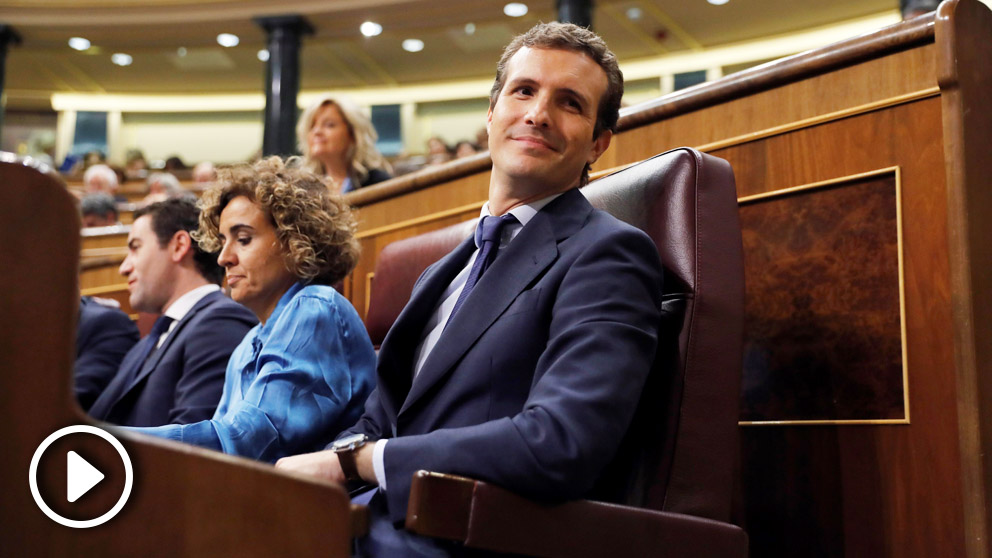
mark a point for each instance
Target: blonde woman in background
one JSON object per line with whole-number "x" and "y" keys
{"x": 337, "y": 140}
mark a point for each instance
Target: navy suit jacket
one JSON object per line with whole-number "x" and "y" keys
{"x": 103, "y": 337}
{"x": 182, "y": 380}
{"x": 535, "y": 380}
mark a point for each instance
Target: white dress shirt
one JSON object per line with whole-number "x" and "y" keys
{"x": 178, "y": 309}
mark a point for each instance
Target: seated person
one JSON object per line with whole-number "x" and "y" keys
{"x": 338, "y": 141}
{"x": 162, "y": 186}
{"x": 99, "y": 210}
{"x": 303, "y": 374}
{"x": 204, "y": 173}
{"x": 103, "y": 337}
{"x": 521, "y": 355}
{"x": 176, "y": 373}
{"x": 100, "y": 178}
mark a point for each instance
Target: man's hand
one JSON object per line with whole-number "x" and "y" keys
{"x": 325, "y": 465}
{"x": 321, "y": 464}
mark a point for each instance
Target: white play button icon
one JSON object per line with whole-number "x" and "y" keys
{"x": 80, "y": 476}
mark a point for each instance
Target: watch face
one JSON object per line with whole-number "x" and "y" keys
{"x": 348, "y": 441}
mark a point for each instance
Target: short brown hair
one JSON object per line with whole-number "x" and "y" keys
{"x": 315, "y": 227}
{"x": 181, "y": 214}
{"x": 568, "y": 36}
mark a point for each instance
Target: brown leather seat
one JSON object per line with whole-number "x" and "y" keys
{"x": 675, "y": 470}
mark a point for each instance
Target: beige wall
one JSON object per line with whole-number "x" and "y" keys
{"x": 453, "y": 121}
{"x": 223, "y": 137}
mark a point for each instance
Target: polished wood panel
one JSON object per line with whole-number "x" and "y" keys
{"x": 823, "y": 326}
{"x": 105, "y": 237}
{"x": 963, "y": 60}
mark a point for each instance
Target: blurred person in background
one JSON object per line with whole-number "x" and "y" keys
{"x": 99, "y": 210}
{"x": 465, "y": 148}
{"x": 102, "y": 179}
{"x": 338, "y": 142}
{"x": 438, "y": 151}
{"x": 162, "y": 186}
{"x": 204, "y": 173}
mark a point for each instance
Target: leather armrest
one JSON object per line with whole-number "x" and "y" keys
{"x": 484, "y": 516}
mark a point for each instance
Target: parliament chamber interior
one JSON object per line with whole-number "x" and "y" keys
{"x": 815, "y": 178}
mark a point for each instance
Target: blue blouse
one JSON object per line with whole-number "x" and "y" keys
{"x": 292, "y": 384}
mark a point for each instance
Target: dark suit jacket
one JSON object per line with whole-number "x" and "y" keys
{"x": 375, "y": 176}
{"x": 103, "y": 337}
{"x": 536, "y": 377}
{"x": 182, "y": 380}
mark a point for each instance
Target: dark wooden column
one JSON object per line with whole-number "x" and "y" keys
{"x": 282, "y": 82}
{"x": 578, "y": 12}
{"x": 7, "y": 37}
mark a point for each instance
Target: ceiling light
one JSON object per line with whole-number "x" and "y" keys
{"x": 718, "y": 2}
{"x": 515, "y": 9}
{"x": 228, "y": 40}
{"x": 181, "y": 51}
{"x": 79, "y": 43}
{"x": 634, "y": 14}
{"x": 370, "y": 29}
{"x": 263, "y": 55}
{"x": 121, "y": 59}
{"x": 470, "y": 29}
{"x": 413, "y": 45}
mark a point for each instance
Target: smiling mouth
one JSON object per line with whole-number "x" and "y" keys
{"x": 535, "y": 142}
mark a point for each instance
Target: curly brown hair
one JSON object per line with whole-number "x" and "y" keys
{"x": 315, "y": 227}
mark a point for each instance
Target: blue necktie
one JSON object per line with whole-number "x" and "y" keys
{"x": 487, "y": 236}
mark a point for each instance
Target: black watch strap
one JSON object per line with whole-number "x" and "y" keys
{"x": 349, "y": 465}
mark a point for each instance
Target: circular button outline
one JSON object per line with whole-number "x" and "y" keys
{"x": 33, "y": 476}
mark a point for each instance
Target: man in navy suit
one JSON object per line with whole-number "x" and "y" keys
{"x": 104, "y": 336}
{"x": 530, "y": 379}
{"x": 174, "y": 375}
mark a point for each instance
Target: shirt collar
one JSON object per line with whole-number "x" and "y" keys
{"x": 178, "y": 309}
{"x": 523, "y": 212}
{"x": 280, "y": 306}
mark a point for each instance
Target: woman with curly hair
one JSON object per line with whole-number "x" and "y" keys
{"x": 302, "y": 375}
{"x": 338, "y": 141}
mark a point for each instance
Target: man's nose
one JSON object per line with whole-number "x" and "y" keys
{"x": 126, "y": 267}
{"x": 537, "y": 112}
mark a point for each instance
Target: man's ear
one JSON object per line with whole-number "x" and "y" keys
{"x": 599, "y": 146}
{"x": 489, "y": 118}
{"x": 180, "y": 245}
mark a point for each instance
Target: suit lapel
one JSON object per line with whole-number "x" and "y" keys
{"x": 153, "y": 359}
{"x": 524, "y": 260}
{"x": 395, "y": 367}
{"x": 115, "y": 391}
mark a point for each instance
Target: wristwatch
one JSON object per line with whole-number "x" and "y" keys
{"x": 346, "y": 448}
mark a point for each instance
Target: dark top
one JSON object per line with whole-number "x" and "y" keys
{"x": 375, "y": 176}
{"x": 105, "y": 334}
